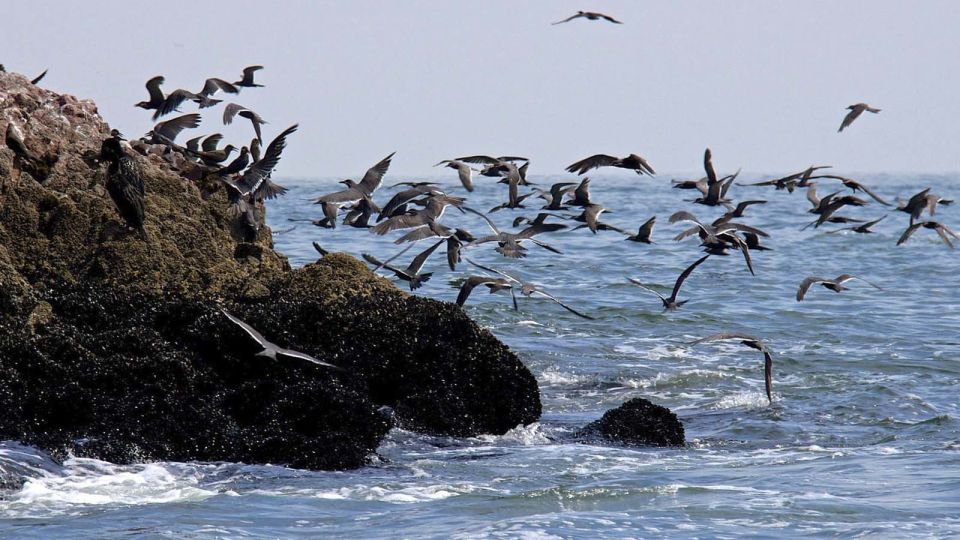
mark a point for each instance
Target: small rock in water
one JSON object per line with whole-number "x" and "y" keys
{"x": 637, "y": 422}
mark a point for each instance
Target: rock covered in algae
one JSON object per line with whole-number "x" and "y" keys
{"x": 637, "y": 422}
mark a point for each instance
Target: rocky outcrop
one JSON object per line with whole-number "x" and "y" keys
{"x": 637, "y": 422}
{"x": 115, "y": 347}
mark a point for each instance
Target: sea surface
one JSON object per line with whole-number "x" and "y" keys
{"x": 862, "y": 438}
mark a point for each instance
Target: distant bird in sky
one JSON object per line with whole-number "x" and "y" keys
{"x": 247, "y": 80}
{"x": 590, "y": 16}
{"x": 672, "y": 303}
{"x": 855, "y": 112}
{"x": 835, "y": 285}
{"x": 271, "y": 350}
{"x": 632, "y": 162}
{"x": 529, "y": 289}
{"x": 232, "y": 110}
{"x": 753, "y": 343}
{"x": 463, "y": 170}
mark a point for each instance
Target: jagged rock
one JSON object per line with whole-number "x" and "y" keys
{"x": 637, "y": 422}
{"x": 114, "y": 346}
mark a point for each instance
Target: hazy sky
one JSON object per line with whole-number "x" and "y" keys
{"x": 763, "y": 83}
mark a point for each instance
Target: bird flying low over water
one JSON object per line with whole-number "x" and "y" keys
{"x": 863, "y": 228}
{"x": 835, "y": 285}
{"x": 942, "y": 230}
{"x": 645, "y": 232}
{"x": 463, "y": 171}
{"x": 411, "y": 273}
{"x": 672, "y": 303}
{"x": 271, "y": 350}
{"x": 492, "y": 283}
{"x": 855, "y": 111}
{"x": 753, "y": 343}
{"x": 590, "y": 16}
{"x": 528, "y": 289}
{"x": 509, "y": 244}
{"x": 632, "y": 162}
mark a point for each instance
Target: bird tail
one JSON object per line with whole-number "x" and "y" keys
{"x": 874, "y": 110}
{"x": 418, "y": 282}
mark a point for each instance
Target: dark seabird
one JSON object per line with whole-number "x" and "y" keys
{"x": 645, "y": 232}
{"x": 238, "y": 164}
{"x": 166, "y": 132}
{"x": 433, "y": 210}
{"x": 672, "y": 303}
{"x": 863, "y": 228}
{"x": 176, "y": 98}
{"x": 590, "y": 16}
{"x": 554, "y": 197}
{"x": 509, "y": 244}
{"x": 36, "y": 80}
{"x": 855, "y": 187}
{"x": 256, "y": 179}
{"x": 528, "y": 289}
{"x": 255, "y": 149}
{"x": 492, "y": 283}
{"x": 213, "y": 85}
{"x": 581, "y": 195}
{"x": 942, "y": 230}
{"x": 463, "y": 170}
{"x": 514, "y": 199}
{"x": 792, "y": 181}
{"x": 835, "y": 285}
{"x": 717, "y": 238}
{"x": 411, "y": 273}
{"x": 753, "y": 343}
{"x": 632, "y": 162}
{"x": 232, "y": 110}
{"x": 125, "y": 184}
{"x": 355, "y": 190}
{"x": 855, "y": 112}
{"x": 271, "y": 350}
{"x": 753, "y": 242}
{"x": 156, "y": 95}
{"x": 406, "y": 195}
{"x": 591, "y": 218}
{"x": 498, "y": 166}
{"x": 247, "y": 80}
{"x": 740, "y": 209}
{"x": 359, "y": 215}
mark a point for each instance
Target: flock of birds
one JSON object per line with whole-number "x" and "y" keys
{"x": 417, "y": 208}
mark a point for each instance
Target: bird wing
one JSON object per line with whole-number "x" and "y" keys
{"x": 728, "y": 335}
{"x": 415, "y": 235}
{"x": 261, "y": 169}
{"x": 847, "y": 277}
{"x": 683, "y": 276}
{"x": 495, "y": 271}
{"x": 708, "y": 167}
{"x": 539, "y": 228}
{"x": 908, "y": 233}
{"x": 213, "y": 85}
{"x": 304, "y": 356}
{"x": 486, "y": 160}
{"x": 546, "y": 246}
{"x": 171, "y": 128}
{"x": 39, "y": 77}
{"x": 374, "y": 176}
{"x": 320, "y": 250}
{"x": 404, "y": 221}
{"x": 421, "y": 258}
{"x": 872, "y": 194}
{"x": 647, "y": 228}
{"x": 248, "y": 73}
{"x": 257, "y": 336}
{"x": 638, "y": 283}
{"x": 210, "y": 143}
{"x": 173, "y": 101}
{"x": 564, "y": 306}
{"x": 850, "y": 117}
{"x": 466, "y": 176}
{"x": 805, "y": 286}
{"x": 230, "y": 112}
{"x": 153, "y": 88}
{"x": 592, "y": 162}
{"x": 470, "y": 284}
{"x": 568, "y": 19}
{"x": 609, "y": 18}
{"x": 485, "y": 218}
{"x": 255, "y": 120}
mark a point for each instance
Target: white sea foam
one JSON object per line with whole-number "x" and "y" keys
{"x": 529, "y": 435}
{"x": 88, "y": 482}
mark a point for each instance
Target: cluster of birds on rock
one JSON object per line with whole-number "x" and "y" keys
{"x": 416, "y": 209}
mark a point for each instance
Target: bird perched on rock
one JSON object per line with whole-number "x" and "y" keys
{"x": 590, "y": 16}
{"x": 855, "y": 111}
{"x": 632, "y": 162}
{"x": 36, "y": 166}
{"x": 753, "y": 343}
{"x": 125, "y": 184}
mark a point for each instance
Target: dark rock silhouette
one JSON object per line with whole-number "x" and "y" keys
{"x": 637, "y": 422}
{"x": 115, "y": 347}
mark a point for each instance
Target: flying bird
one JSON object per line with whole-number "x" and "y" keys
{"x": 753, "y": 343}
{"x": 855, "y": 111}
{"x": 632, "y": 162}
{"x": 271, "y": 350}
{"x": 835, "y": 285}
{"x": 247, "y": 80}
{"x": 156, "y": 95}
{"x": 411, "y": 273}
{"x": 492, "y": 283}
{"x": 232, "y": 110}
{"x": 672, "y": 303}
{"x": 590, "y": 16}
{"x": 529, "y": 289}
{"x": 942, "y": 230}
{"x": 463, "y": 171}
{"x": 645, "y": 232}
{"x": 863, "y": 228}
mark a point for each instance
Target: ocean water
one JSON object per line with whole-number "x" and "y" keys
{"x": 862, "y": 438}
